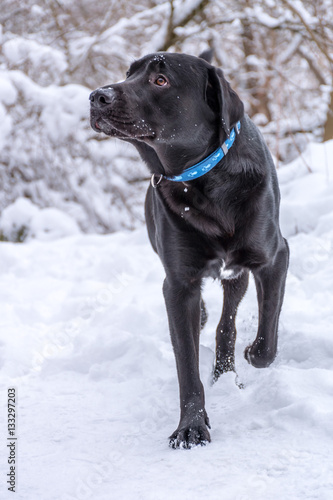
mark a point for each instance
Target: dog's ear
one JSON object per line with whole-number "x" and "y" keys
{"x": 207, "y": 55}
{"x": 221, "y": 97}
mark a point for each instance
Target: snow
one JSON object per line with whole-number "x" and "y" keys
{"x": 19, "y": 52}
{"x": 23, "y": 220}
{"x": 8, "y": 93}
{"x": 265, "y": 18}
{"x": 6, "y": 125}
{"x": 84, "y": 339}
{"x": 307, "y": 198}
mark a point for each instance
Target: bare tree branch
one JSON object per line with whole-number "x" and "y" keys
{"x": 315, "y": 70}
{"x": 172, "y": 38}
{"x": 309, "y": 30}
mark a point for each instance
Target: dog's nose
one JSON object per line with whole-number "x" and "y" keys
{"x": 102, "y": 97}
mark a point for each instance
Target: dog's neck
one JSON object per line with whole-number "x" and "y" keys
{"x": 209, "y": 162}
{"x": 163, "y": 158}
{"x": 175, "y": 158}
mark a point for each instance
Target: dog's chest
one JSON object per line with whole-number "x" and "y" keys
{"x": 195, "y": 207}
{"x": 219, "y": 269}
{"x": 227, "y": 273}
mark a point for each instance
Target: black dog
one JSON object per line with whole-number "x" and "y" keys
{"x": 177, "y": 110}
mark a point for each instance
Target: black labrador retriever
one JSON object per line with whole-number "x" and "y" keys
{"x": 212, "y": 209}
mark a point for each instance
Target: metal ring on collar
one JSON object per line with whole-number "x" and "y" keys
{"x": 152, "y": 180}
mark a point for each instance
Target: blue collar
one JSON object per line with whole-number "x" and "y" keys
{"x": 205, "y": 165}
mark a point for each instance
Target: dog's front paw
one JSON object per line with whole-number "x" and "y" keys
{"x": 192, "y": 431}
{"x": 189, "y": 437}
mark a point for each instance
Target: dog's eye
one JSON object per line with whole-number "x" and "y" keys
{"x": 127, "y": 74}
{"x": 161, "y": 81}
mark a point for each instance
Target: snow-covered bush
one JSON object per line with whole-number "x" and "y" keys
{"x": 49, "y": 155}
{"x": 23, "y": 220}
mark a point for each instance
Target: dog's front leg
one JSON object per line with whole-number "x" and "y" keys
{"x": 183, "y": 308}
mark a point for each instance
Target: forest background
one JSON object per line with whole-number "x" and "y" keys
{"x": 277, "y": 54}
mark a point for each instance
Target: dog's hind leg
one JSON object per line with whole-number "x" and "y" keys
{"x": 270, "y": 283}
{"x": 233, "y": 292}
{"x": 203, "y": 314}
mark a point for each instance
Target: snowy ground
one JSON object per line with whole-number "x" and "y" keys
{"x": 84, "y": 340}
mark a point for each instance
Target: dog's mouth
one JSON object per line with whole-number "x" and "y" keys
{"x": 120, "y": 128}
{"x": 96, "y": 126}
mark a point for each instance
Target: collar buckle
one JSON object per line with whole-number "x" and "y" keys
{"x": 224, "y": 148}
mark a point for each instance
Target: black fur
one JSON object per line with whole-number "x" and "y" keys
{"x": 177, "y": 109}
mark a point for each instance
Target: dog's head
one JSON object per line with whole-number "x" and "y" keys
{"x": 167, "y": 98}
